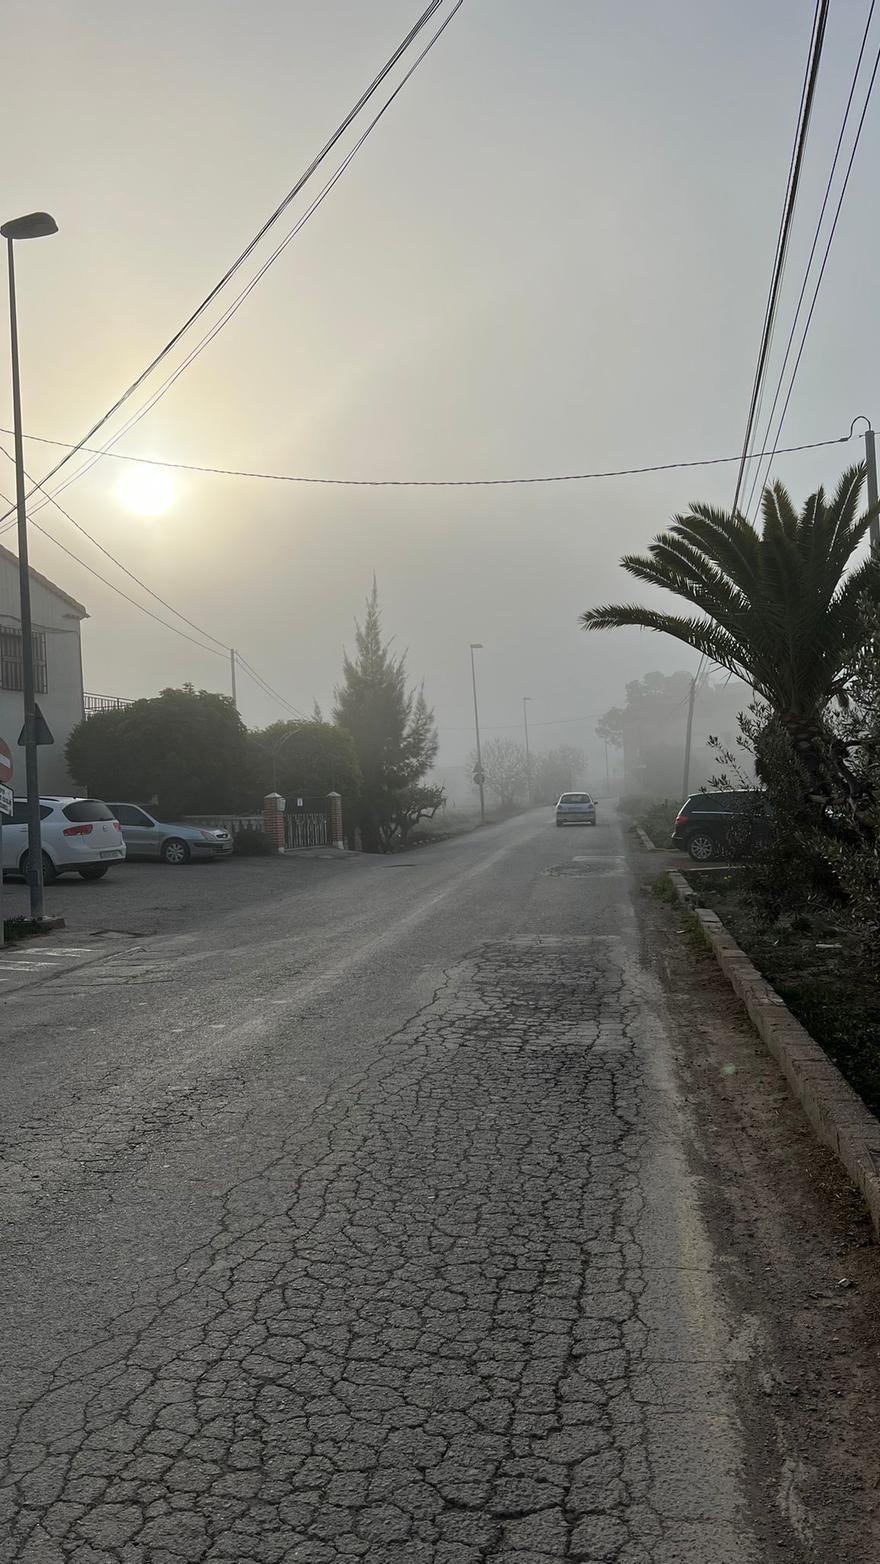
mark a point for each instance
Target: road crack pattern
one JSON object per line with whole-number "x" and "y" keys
{"x": 421, "y": 1334}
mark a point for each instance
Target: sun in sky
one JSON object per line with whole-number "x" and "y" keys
{"x": 148, "y": 491}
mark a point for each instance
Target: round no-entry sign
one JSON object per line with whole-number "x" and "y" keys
{"x": 6, "y": 766}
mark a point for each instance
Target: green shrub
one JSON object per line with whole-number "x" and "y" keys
{"x": 21, "y": 928}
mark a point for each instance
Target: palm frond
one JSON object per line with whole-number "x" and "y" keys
{"x": 780, "y": 607}
{"x": 705, "y": 637}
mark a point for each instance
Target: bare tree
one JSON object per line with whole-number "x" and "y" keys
{"x": 557, "y": 771}
{"x": 505, "y": 770}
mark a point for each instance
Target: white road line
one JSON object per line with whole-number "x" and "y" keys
{"x": 23, "y": 966}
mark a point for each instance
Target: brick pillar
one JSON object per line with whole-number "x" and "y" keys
{"x": 273, "y": 820}
{"x": 334, "y": 801}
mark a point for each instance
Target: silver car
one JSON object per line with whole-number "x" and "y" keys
{"x": 575, "y": 809}
{"x": 146, "y": 836}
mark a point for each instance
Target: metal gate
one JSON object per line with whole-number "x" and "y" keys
{"x": 306, "y": 824}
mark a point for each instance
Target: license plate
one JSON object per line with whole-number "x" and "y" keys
{"x": 116, "y": 854}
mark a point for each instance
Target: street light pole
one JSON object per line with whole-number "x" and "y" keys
{"x": 477, "y": 646}
{"x": 36, "y": 225}
{"x": 871, "y": 464}
{"x": 525, "y": 701}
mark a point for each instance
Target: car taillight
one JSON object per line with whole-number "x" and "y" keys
{"x": 77, "y": 830}
{"x": 681, "y": 819}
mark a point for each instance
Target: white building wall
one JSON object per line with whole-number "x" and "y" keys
{"x": 62, "y": 706}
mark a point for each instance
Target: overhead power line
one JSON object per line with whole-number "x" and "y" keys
{"x": 236, "y": 303}
{"x": 807, "y": 95}
{"x": 118, "y": 590}
{"x": 230, "y": 272}
{"x": 779, "y": 235}
{"x": 810, "y": 258}
{"x": 218, "y": 649}
{"x": 267, "y": 688}
{"x": 827, "y": 252}
{"x": 437, "y": 483}
{"x": 117, "y": 562}
{"x": 96, "y": 453}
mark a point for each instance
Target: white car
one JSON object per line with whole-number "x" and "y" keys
{"x": 80, "y": 836}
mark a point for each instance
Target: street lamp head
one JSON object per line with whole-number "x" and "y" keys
{"x": 476, "y": 646}
{"x": 37, "y": 225}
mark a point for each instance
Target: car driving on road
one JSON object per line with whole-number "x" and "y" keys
{"x": 147, "y": 836}
{"x": 576, "y": 809}
{"x": 79, "y": 836}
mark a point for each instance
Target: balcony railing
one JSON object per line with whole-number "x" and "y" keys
{"x": 93, "y": 704}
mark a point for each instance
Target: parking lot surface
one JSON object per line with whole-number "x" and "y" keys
{"x": 145, "y": 898}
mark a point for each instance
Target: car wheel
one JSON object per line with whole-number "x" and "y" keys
{"x": 50, "y": 873}
{"x": 559, "y": 825}
{"x": 701, "y": 847}
{"x": 175, "y": 851}
{"x": 95, "y": 871}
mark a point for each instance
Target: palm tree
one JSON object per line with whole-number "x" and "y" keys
{"x": 779, "y": 607}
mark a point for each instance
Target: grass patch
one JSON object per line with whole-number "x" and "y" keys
{"x": 817, "y": 965}
{"x": 15, "y": 929}
{"x": 656, "y": 816}
{"x": 663, "y": 888}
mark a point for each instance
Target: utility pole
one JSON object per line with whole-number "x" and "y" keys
{"x": 232, "y": 667}
{"x": 37, "y": 225}
{"x": 526, "y": 699}
{"x": 871, "y": 464}
{"x": 692, "y": 695}
{"x": 607, "y": 771}
{"x": 477, "y": 646}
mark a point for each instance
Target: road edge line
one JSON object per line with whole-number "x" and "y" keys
{"x": 836, "y": 1112}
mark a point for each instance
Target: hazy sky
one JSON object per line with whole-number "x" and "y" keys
{"x": 552, "y": 255}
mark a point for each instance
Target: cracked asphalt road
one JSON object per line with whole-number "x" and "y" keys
{"x": 359, "y": 1224}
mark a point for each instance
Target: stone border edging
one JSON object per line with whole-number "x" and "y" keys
{"x": 645, "y": 839}
{"x": 837, "y": 1114}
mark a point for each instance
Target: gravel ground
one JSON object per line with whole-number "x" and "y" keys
{"x": 795, "y": 1250}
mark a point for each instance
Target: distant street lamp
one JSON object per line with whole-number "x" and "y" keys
{"x": 37, "y": 225}
{"x": 525, "y": 700}
{"x": 479, "y": 778}
{"x": 274, "y": 751}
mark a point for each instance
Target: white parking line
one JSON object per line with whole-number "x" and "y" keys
{"x": 23, "y": 966}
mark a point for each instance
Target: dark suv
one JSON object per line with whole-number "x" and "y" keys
{"x": 719, "y": 825}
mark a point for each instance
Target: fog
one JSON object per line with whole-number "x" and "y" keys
{"x": 552, "y": 256}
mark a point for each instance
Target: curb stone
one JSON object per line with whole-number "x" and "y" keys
{"x": 645, "y": 839}
{"x": 838, "y": 1116}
